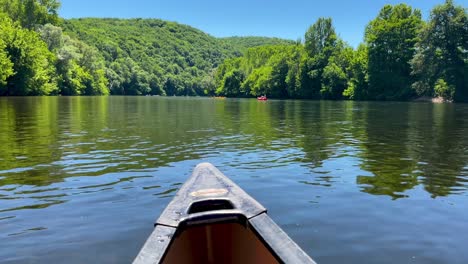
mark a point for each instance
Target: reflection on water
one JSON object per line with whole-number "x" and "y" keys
{"x": 417, "y": 145}
{"x": 103, "y": 164}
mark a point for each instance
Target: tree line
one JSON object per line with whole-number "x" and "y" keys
{"x": 402, "y": 57}
{"x": 42, "y": 54}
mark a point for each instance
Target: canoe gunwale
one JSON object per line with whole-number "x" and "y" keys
{"x": 286, "y": 250}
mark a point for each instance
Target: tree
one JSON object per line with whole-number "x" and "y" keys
{"x": 320, "y": 42}
{"x": 320, "y": 36}
{"x": 391, "y": 40}
{"x": 32, "y": 71}
{"x": 31, "y": 13}
{"x": 52, "y": 36}
{"x": 128, "y": 78}
{"x": 441, "y": 62}
{"x": 208, "y": 84}
{"x": 279, "y": 73}
{"x": 338, "y": 73}
{"x": 172, "y": 85}
{"x": 442, "y": 89}
{"x": 231, "y": 83}
{"x": 358, "y": 84}
{"x": 6, "y": 66}
{"x": 80, "y": 67}
{"x": 293, "y": 84}
{"x": 259, "y": 81}
{"x": 334, "y": 82}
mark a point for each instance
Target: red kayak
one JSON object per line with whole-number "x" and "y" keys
{"x": 262, "y": 98}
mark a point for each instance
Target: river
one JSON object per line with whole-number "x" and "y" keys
{"x": 82, "y": 179}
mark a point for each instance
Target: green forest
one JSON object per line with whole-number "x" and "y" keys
{"x": 402, "y": 57}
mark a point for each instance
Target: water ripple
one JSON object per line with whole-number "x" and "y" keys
{"x": 34, "y": 206}
{"x": 95, "y": 171}
{"x": 34, "y": 229}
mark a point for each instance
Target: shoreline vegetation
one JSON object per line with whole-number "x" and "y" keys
{"x": 435, "y": 100}
{"x": 402, "y": 58}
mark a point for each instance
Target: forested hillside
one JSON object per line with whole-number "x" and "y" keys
{"x": 402, "y": 57}
{"x": 151, "y": 56}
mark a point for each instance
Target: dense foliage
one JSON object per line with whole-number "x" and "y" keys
{"x": 36, "y": 58}
{"x": 41, "y": 55}
{"x": 30, "y": 13}
{"x": 402, "y": 57}
{"x": 391, "y": 40}
{"x": 27, "y": 64}
{"x": 441, "y": 61}
{"x": 244, "y": 43}
{"x": 322, "y": 68}
{"x": 151, "y": 56}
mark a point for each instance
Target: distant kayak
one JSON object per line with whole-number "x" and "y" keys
{"x": 262, "y": 98}
{"x": 212, "y": 220}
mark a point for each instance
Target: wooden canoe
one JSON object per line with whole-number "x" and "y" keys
{"x": 212, "y": 220}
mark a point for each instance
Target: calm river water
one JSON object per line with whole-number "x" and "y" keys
{"x": 82, "y": 179}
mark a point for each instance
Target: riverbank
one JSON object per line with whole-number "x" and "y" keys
{"x": 436, "y": 100}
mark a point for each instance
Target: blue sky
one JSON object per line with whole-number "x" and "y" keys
{"x": 285, "y": 19}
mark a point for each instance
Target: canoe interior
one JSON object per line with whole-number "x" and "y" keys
{"x": 230, "y": 243}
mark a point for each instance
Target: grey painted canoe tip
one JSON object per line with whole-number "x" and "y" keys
{"x": 207, "y": 168}
{"x": 204, "y": 165}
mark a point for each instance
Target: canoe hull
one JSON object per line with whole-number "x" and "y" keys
{"x": 212, "y": 220}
